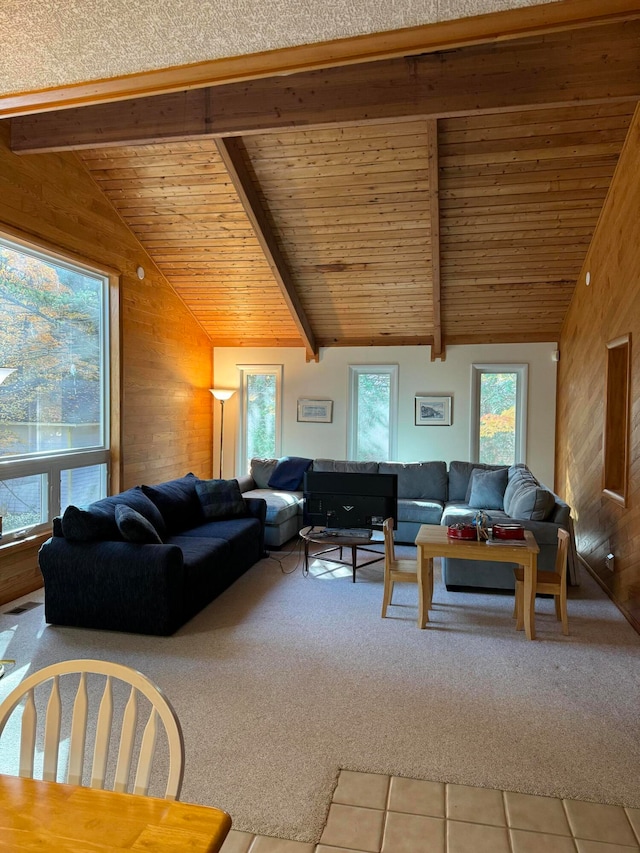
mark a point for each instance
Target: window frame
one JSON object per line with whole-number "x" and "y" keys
{"x": 522, "y": 394}
{"x": 253, "y": 370}
{"x": 53, "y": 463}
{"x": 355, "y": 371}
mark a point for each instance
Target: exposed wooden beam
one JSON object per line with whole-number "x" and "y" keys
{"x": 437, "y": 349}
{"x": 442, "y": 35}
{"x": 232, "y": 152}
{"x": 589, "y": 66}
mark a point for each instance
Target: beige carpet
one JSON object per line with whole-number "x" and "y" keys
{"x": 284, "y": 679}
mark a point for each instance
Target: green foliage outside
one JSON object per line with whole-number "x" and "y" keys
{"x": 50, "y": 334}
{"x": 261, "y": 415}
{"x": 374, "y": 390}
{"x": 498, "y": 418}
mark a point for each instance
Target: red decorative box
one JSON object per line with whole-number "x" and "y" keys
{"x": 508, "y": 531}
{"x": 462, "y": 531}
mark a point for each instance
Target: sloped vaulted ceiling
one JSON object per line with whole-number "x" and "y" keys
{"x": 434, "y": 199}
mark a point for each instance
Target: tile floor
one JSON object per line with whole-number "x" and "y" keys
{"x": 372, "y": 813}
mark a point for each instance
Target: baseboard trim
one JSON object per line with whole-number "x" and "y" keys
{"x": 631, "y": 619}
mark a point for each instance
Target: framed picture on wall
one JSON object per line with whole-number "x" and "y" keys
{"x": 433, "y": 411}
{"x": 315, "y": 411}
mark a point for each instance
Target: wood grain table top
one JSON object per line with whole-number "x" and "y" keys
{"x": 36, "y": 815}
{"x": 433, "y": 537}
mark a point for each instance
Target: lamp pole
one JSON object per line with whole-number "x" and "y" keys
{"x": 223, "y": 395}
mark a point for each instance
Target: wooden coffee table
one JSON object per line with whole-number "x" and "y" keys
{"x": 320, "y": 536}
{"x": 432, "y": 541}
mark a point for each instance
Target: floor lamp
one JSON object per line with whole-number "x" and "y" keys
{"x": 222, "y": 395}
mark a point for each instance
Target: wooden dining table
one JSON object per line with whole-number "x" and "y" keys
{"x": 52, "y": 816}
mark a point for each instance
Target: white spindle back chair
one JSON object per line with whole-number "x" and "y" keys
{"x": 160, "y": 711}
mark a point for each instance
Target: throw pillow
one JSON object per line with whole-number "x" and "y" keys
{"x": 486, "y": 488}
{"x": 88, "y": 525}
{"x": 288, "y": 473}
{"x": 261, "y": 471}
{"x": 97, "y": 522}
{"x": 178, "y": 503}
{"x": 220, "y": 498}
{"x": 135, "y": 527}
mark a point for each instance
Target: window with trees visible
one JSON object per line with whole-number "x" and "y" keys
{"x": 499, "y": 419}
{"x": 373, "y": 412}
{"x": 260, "y": 421}
{"x": 54, "y": 413}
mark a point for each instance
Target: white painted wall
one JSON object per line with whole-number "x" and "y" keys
{"x": 329, "y": 378}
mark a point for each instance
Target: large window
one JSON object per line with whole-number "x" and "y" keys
{"x": 54, "y": 413}
{"x": 373, "y": 407}
{"x": 499, "y": 413}
{"x": 260, "y": 421}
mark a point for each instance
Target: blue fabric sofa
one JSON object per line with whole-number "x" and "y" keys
{"x": 147, "y": 560}
{"x": 431, "y": 493}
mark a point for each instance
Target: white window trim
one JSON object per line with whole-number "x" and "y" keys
{"x": 522, "y": 393}
{"x": 249, "y": 370}
{"x": 356, "y": 370}
{"x": 53, "y": 463}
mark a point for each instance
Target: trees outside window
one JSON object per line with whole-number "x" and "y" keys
{"x": 260, "y": 413}
{"x": 499, "y": 394}
{"x": 53, "y": 405}
{"x": 373, "y": 411}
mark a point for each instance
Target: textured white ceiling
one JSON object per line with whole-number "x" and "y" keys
{"x": 54, "y": 42}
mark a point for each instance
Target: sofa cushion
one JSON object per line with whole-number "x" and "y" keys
{"x": 459, "y": 474}
{"x": 516, "y": 474}
{"x": 424, "y": 480}
{"x": 532, "y": 501}
{"x": 220, "y": 498}
{"x": 135, "y": 527}
{"x": 178, "y": 502}
{"x": 345, "y": 466}
{"x": 459, "y": 511}
{"x": 280, "y": 505}
{"x": 97, "y": 522}
{"x": 525, "y": 497}
{"x": 289, "y": 472}
{"x": 421, "y": 511}
{"x": 261, "y": 471}
{"x": 486, "y": 488}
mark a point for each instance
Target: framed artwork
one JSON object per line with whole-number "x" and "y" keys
{"x": 433, "y": 411}
{"x": 315, "y": 411}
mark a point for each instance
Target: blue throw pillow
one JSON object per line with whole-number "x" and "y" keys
{"x": 95, "y": 523}
{"x": 220, "y": 498}
{"x": 178, "y": 503}
{"x": 486, "y": 488}
{"x": 288, "y": 473}
{"x": 135, "y": 527}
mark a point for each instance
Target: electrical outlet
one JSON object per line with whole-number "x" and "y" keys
{"x": 609, "y": 561}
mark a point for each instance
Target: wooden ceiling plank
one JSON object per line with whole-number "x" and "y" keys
{"x": 232, "y": 153}
{"x": 589, "y": 65}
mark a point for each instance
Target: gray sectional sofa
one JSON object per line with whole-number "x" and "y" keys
{"x": 431, "y": 493}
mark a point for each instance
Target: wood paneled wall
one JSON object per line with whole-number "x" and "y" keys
{"x": 606, "y": 309}
{"x": 166, "y": 407}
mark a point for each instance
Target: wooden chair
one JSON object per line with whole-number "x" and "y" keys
{"x": 58, "y": 697}
{"x": 551, "y": 583}
{"x": 395, "y": 571}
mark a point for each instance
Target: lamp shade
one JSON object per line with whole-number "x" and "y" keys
{"x": 4, "y": 372}
{"x": 222, "y": 393}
